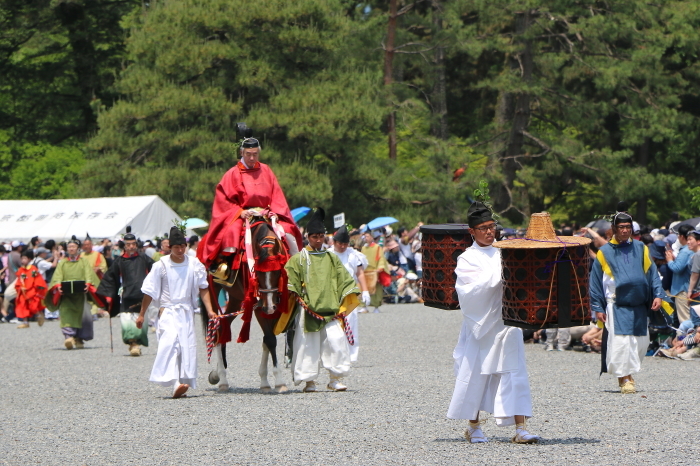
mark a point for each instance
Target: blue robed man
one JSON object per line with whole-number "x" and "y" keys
{"x": 624, "y": 286}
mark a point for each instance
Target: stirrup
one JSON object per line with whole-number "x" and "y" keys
{"x": 223, "y": 274}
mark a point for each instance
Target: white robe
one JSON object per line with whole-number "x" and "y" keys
{"x": 175, "y": 289}
{"x": 329, "y": 346}
{"x": 352, "y": 259}
{"x": 489, "y": 356}
{"x": 625, "y": 353}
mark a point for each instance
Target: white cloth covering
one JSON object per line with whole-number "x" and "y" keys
{"x": 328, "y": 346}
{"x": 489, "y": 356}
{"x": 625, "y": 353}
{"x": 43, "y": 266}
{"x": 352, "y": 259}
{"x": 175, "y": 287}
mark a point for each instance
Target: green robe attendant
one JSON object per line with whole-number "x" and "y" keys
{"x": 322, "y": 282}
{"x": 71, "y": 305}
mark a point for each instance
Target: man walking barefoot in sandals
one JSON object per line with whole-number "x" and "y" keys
{"x": 175, "y": 283}
{"x": 624, "y": 286}
{"x": 490, "y": 356}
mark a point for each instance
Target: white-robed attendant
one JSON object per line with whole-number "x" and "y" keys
{"x": 174, "y": 284}
{"x": 355, "y": 263}
{"x": 489, "y": 356}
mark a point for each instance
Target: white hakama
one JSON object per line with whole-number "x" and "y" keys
{"x": 489, "y": 356}
{"x": 352, "y": 259}
{"x": 175, "y": 289}
{"x": 353, "y": 322}
{"x": 176, "y": 361}
{"x": 625, "y": 353}
{"x": 327, "y": 347}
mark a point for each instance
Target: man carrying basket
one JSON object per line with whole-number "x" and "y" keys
{"x": 489, "y": 356}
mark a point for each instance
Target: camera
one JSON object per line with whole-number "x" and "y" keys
{"x": 242, "y": 131}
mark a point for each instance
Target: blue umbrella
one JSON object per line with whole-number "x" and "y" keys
{"x": 300, "y": 212}
{"x": 191, "y": 223}
{"x": 381, "y": 222}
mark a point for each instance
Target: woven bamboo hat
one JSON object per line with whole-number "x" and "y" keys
{"x": 541, "y": 234}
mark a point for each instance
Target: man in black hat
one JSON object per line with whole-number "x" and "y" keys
{"x": 355, "y": 263}
{"x": 624, "y": 286}
{"x": 490, "y": 356}
{"x": 176, "y": 282}
{"x": 247, "y": 190}
{"x": 122, "y": 285}
{"x": 326, "y": 294}
{"x": 72, "y": 284}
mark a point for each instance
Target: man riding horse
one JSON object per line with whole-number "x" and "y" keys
{"x": 250, "y": 184}
{"x": 250, "y": 222}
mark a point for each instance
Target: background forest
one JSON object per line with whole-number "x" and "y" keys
{"x": 390, "y": 107}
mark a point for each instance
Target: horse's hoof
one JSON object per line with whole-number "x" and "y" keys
{"x": 265, "y": 389}
{"x": 223, "y": 388}
{"x": 281, "y": 388}
{"x": 214, "y": 378}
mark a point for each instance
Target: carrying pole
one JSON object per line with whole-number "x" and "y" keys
{"x": 111, "y": 339}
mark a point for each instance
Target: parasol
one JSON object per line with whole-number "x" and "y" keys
{"x": 300, "y": 212}
{"x": 192, "y": 223}
{"x": 693, "y": 222}
{"x": 380, "y": 222}
{"x": 600, "y": 224}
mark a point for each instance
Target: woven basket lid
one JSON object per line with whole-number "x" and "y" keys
{"x": 541, "y": 234}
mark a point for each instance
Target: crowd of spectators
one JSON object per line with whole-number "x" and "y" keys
{"x": 402, "y": 250}
{"x": 45, "y": 255}
{"x": 674, "y": 247}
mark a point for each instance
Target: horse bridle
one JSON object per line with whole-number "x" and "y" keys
{"x": 270, "y": 240}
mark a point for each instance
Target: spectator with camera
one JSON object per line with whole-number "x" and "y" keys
{"x": 406, "y": 253}
{"x": 680, "y": 267}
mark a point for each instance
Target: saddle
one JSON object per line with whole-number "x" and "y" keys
{"x": 226, "y": 270}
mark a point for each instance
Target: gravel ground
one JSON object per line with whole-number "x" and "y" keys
{"x": 93, "y": 407}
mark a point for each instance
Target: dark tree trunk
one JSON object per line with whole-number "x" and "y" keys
{"x": 439, "y": 96}
{"x": 520, "y": 120}
{"x": 74, "y": 18}
{"x": 388, "y": 73}
{"x": 643, "y": 202}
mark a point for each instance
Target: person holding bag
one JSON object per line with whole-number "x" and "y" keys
{"x": 377, "y": 270}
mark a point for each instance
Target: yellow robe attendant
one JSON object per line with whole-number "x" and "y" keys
{"x": 96, "y": 259}
{"x": 376, "y": 261}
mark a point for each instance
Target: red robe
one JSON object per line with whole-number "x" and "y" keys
{"x": 29, "y": 301}
{"x": 239, "y": 189}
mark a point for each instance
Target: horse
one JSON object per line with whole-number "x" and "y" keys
{"x": 259, "y": 293}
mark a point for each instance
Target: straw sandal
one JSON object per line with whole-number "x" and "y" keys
{"x": 523, "y": 436}
{"x": 474, "y": 434}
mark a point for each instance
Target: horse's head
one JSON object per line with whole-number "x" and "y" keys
{"x": 270, "y": 258}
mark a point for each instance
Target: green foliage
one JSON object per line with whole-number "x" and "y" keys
{"x": 560, "y": 106}
{"x": 38, "y": 171}
{"x": 694, "y": 195}
{"x": 58, "y": 61}
{"x": 198, "y": 67}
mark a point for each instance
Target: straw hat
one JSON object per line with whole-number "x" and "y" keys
{"x": 541, "y": 234}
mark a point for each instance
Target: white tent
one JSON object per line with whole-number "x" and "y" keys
{"x": 104, "y": 217}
